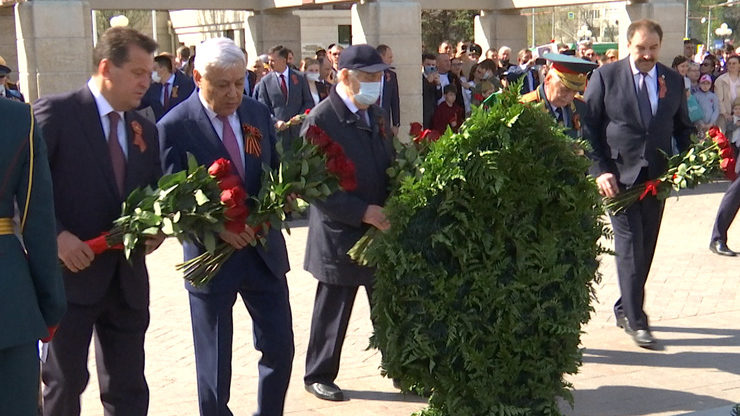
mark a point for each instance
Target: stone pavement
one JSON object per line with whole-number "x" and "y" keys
{"x": 692, "y": 299}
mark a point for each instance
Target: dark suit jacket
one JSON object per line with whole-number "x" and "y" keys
{"x": 182, "y": 87}
{"x": 613, "y": 126}
{"x": 268, "y": 92}
{"x": 250, "y": 82}
{"x": 391, "y": 102}
{"x": 187, "y": 129}
{"x": 335, "y": 224}
{"x": 32, "y": 295}
{"x": 515, "y": 72}
{"x": 85, "y": 193}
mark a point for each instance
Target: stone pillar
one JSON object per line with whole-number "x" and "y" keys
{"x": 670, "y": 14}
{"x": 161, "y": 30}
{"x": 494, "y": 29}
{"x": 398, "y": 25}
{"x": 263, "y": 30}
{"x": 54, "y": 40}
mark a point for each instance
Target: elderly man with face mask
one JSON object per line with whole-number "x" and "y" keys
{"x": 565, "y": 78}
{"x": 215, "y": 122}
{"x": 351, "y": 118}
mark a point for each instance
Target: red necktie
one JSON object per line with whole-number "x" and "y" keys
{"x": 166, "y": 103}
{"x": 232, "y": 146}
{"x": 118, "y": 160}
{"x": 283, "y": 86}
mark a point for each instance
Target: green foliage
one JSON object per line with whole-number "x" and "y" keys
{"x": 451, "y": 25}
{"x": 486, "y": 276}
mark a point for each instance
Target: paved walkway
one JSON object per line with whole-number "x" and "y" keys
{"x": 692, "y": 299}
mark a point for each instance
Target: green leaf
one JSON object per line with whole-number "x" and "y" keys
{"x": 209, "y": 241}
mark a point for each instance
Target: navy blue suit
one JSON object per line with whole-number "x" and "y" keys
{"x": 181, "y": 89}
{"x": 255, "y": 273}
{"x": 299, "y": 99}
{"x": 624, "y": 146}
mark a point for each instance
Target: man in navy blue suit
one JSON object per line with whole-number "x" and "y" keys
{"x": 170, "y": 87}
{"x": 99, "y": 151}
{"x": 211, "y": 124}
{"x": 634, "y": 107}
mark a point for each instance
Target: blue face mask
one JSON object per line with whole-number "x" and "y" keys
{"x": 369, "y": 93}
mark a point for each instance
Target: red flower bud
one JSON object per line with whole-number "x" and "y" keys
{"x": 416, "y": 129}
{"x": 229, "y": 181}
{"x": 725, "y": 164}
{"x": 236, "y": 212}
{"x": 308, "y": 110}
{"x": 430, "y": 135}
{"x": 220, "y": 168}
{"x": 233, "y": 197}
{"x": 713, "y": 131}
{"x": 726, "y": 153}
{"x": 721, "y": 140}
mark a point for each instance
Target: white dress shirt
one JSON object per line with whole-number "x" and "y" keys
{"x": 219, "y": 126}
{"x": 652, "y": 84}
{"x": 104, "y": 108}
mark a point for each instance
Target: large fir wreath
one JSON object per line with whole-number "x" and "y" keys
{"x": 486, "y": 276}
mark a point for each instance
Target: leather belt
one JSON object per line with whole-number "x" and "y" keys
{"x": 6, "y": 226}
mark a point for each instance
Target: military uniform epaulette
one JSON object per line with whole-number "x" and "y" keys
{"x": 531, "y": 97}
{"x": 579, "y": 97}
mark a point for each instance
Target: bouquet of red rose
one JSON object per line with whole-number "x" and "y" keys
{"x": 189, "y": 205}
{"x": 409, "y": 155}
{"x": 707, "y": 160}
{"x": 314, "y": 168}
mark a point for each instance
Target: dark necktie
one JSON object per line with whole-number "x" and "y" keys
{"x": 283, "y": 86}
{"x": 362, "y": 119}
{"x": 166, "y": 100}
{"x": 118, "y": 160}
{"x": 229, "y": 139}
{"x": 643, "y": 101}
{"x": 558, "y": 114}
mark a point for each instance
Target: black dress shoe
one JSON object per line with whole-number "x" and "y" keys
{"x": 326, "y": 391}
{"x": 720, "y": 247}
{"x": 624, "y": 323}
{"x": 643, "y": 338}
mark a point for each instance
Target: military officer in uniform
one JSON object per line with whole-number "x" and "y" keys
{"x": 32, "y": 299}
{"x": 564, "y": 80}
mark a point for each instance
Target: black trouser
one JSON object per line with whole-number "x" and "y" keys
{"x": 119, "y": 355}
{"x": 635, "y": 236}
{"x": 726, "y": 213}
{"x": 331, "y": 311}
{"x": 19, "y": 380}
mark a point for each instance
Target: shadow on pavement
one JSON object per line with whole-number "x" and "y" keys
{"x": 383, "y": 396}
{"x": 635, "y": 401}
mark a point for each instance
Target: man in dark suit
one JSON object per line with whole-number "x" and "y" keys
{"x": 211, "y": 124}
{"x": 285, "y": 92}
{"x": 350, "y": 117}
{"x": 634, "y": 106}
{"x": 389, "y": 98}
{"x": 168, "y": 89}
{"x": 32, "y": 299}
{"x": 431, "y": 91}
{"x": 99, "y": 151}
{"x": 725, "y": 215}
{"x": 250, "y": 79}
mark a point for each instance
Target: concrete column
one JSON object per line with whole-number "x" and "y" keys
{"x": 670, "y": 14}
{"x": 161, "y": 30}
{"x": 263, "y": 30}
{"x": 494, "y": 29}
{"x": 398, "y": 25}
{"x": 54, "y": 40}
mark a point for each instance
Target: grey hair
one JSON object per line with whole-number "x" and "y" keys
{"x": 504, "y": 48}
{"x": 219, "y": 53}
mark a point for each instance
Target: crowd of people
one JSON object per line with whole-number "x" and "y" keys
{"x": 79, "y": 154}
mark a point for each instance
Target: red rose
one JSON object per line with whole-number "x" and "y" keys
{"x": 236, "y": 212}
{"x": 348, "y": 183}
{"x": 308, "y": 110}
{"x": 334, "y": 165}
{"x": 430, "y": 135}
{"x": 233, "y": 197}
{"x": 220, "y": 168}
{"x": 319, "y": 139}
{"x": 416, "y": 129}
{"x": 229, "y": 181}
{"x": 725, "y": 164}
{"x": 721, "y": 140}
{"x": 726, "y": 153}
{"x": 235, "y": 227}
{"x": 334, "y": 150}
{"x": 713, "y": 131}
